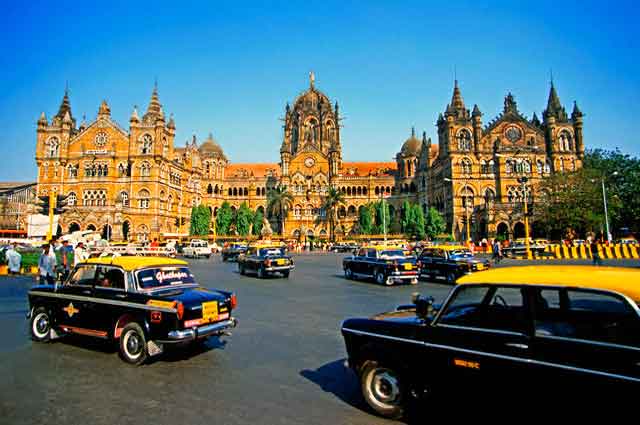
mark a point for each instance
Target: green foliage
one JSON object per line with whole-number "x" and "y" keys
{"x": 257, "y": 223}
{"x": 279, "y": 201}
{"x": 434, "y": 224}
{"x": 331, "y": 201}
{"x": 406, "y": 219}
{"x": 382, "y": 216}
{"x": 200, "y": 220}
{"x": 622, "y": 180}
{"x": 365, "y": 219}
{"x": 244, "y": 219}
{"x": 412, "y": 222}
{"x": 224, "y": 219}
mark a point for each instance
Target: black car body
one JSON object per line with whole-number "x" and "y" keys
{"x": 233, "y": 251}
{"x": 544, "y": 337}
{"x": 345, "y": 247}
{"x": 448, "y": 263}
{"x": 265, "y": 261}
{"x": 144, "y": 303}
{"x": 387, "y": 265}
{"x": 519, "y": 249}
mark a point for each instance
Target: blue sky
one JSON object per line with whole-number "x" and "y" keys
{"x": 230, "y": 70}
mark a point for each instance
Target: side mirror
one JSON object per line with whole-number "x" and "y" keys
{"x": 424, "y": 306}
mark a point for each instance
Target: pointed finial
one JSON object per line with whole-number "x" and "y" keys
{"x": 43, "y": 119}
{"x": 413, "y": 131}
{"x": 424, "y": 136}
{"x": 66, "y": 88}
{"x": 312, "y": 79}
{"x": 551, "y": 76}
{"x": 155, "y": 83}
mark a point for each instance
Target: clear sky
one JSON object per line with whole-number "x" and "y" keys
{"x": 230, "y": 70}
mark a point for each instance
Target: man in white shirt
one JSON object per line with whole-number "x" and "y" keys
{"x": 79, "y": 254}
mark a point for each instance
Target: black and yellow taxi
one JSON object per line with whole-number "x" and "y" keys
{"x": 386, "y": 264}
{"x": 538, "y": 333}
{"x": 143, "y": 303}
{"x": 232, "y": 250}
{"x": 449, "y": 262}
{"x": 265, "y": 260}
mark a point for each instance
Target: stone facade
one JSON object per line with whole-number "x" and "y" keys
{"x": 135, "y": 184}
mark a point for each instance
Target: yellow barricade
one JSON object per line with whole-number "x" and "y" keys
{"x": 616, "y": 251}
{"x": 634, "y": 251}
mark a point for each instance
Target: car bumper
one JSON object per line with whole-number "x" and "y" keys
{"x": 279, "y": 268}
{"x": 205, "y": 331}
{"x": 403, "y": 275}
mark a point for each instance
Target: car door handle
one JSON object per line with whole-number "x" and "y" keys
{"x": 121, "y": 295}
{"x": 517, "y": 345}
{"x": 87, "y": 292}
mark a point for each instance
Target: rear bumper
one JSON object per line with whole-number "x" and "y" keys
{"x": 279, "y": 268}
{"x": 404, "y": 275}
{"x": 205, "y": 331}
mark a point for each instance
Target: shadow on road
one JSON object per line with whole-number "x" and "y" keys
{"x": 339, "y": 380}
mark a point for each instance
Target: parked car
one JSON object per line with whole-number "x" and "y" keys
{"x": 265, "y": 260}
{"x": 345, "y": 247}
{"x": 509, "y": 331}
{"x": 142, "y": 303}
{"x": 387, "y": 265}
{"x": 233, "y": 250}
{"x": 197, "y": 248}
{"x": 449, "y": 262}
{"x": 520, "y": 249}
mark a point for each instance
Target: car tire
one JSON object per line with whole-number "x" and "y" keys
{"x": 40, "y": 325}
{"x": 224, "y": 259}
{"x": 208, "y": 256}
{"x": 451, "y": 277}
{"x": 285, "y": 274}
{"x": 133, "y": 344}
{"x": 382, "y": 279}
{"x": 261, "y": 273}
{"x": 383, "y": 390}
{"x": 241, "y": 269}
{"x": 348, "y": 273}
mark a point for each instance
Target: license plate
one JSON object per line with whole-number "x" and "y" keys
{"x": 480, "y": 266}
{"x": 281, "y": 262}
{"x": 210, "y": 311}
{"x": 408, "y": 266}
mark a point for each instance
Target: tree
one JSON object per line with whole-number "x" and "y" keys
{"x": 365, "y": 221}
{"x": 224, "y": 218}
{"x": 418, "y": 230}
{"x": 383, "y": 218}
{"x": 257, "y": 223}
{"x": 571, "y": 203}
{"x": 279, "y": 201}
{"x": 331, "y": 201}
{"x": 200, "y": 220}
{"x": 406, "y": 217}
{"x": 244, "y": 218}
{"x": 434, "y": 224}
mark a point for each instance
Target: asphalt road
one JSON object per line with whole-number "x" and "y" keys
{"x": 284, "y": 364}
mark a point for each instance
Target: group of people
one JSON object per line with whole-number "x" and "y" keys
{"x": 57, "y": 258}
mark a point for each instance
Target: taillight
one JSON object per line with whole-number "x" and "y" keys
{"x": 267, "y": 263}
{"x": 180, "y": 309}
{"x": 234, "y": 301}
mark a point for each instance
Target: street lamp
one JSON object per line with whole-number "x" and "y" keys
{"x": 604, "y": 201}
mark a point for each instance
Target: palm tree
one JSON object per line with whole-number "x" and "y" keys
{"x": 279, "y": 202}
{"x": 331, "y": 201}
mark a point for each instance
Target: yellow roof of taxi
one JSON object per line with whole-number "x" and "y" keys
{"x": 624, "y": 280}
{"x": 382, "y": 247}
{"x": 130, "y": 263}
{"x": 448, "y": 247}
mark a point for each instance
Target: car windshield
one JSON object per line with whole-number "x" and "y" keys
{"x": 157, "y": 277}
{"x": 271, "y": 251}
{"x": 460, "y": 253}
{"x": 392, "y": 253}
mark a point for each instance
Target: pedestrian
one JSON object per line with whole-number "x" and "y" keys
{"x": 66, "y": 254}
{"x": 497, "y": 251}
{"x": 79, "y": 254}
{"x": 595, "y": 255}
{"x": 46, "y": 265}
{"x": 14, "y": 259}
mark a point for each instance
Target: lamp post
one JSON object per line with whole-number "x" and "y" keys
{"x": 604, "y": 201}
{"x": 523, "y": 180}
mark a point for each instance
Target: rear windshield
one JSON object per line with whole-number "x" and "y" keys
{"x": 459, "y": 253}
{"x": 392, "y": 253}
{"x": 271, "y": 251}
{"x": 164, "y": 276}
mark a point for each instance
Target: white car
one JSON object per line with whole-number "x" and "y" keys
{"x": 197, "y": 248}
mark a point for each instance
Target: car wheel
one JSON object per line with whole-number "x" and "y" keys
{"x": 348, "y": 273}
{"x": 208, "y": 256}
{"x": 40, "y": 325}
{"x": 382, "y": 279}
{"x": 451, "y": 277}
{"x": 285, "y": 274}
{"x": 241, "y": 269}
{"x": 260, "y": 272}
{"x": 383, "y": 390}
{"x": 133, "y": 344}
{"x": 224, "y": 259}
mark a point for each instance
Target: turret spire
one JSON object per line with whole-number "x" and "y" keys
{"x": 554, "y": 107}
{"x": 154, "y": 110}
{"x": 65, "y": 105}
{"x": 456, "y": 107}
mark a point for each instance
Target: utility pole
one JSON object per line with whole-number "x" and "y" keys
{"x": 52, "y": 206}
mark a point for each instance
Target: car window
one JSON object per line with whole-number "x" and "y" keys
{"x": 251, "y": 251}
{"x": 164, "y": 276}
{"x": 271, "y": 251}
{"x": 486, "y": 307}
{"x": 110, "y": 277}
{"x": 362, "y": 253}
{"x": 392, "y": 253}
{"x": 371, "y": 253}
{"x": 83, "y": 275}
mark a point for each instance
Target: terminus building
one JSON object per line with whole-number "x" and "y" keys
{"x": 136, "y": 183}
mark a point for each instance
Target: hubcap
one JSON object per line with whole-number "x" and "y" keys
{"x": 41, "y": 324}
{"x": 133, "y": 344}
{"x": 385, "y": 387}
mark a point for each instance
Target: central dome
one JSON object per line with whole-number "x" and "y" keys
{"x": 412, "y": 145}
{"x": 210, "y": 146}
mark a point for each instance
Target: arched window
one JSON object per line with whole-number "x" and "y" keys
{"x": 124, "y": 197}
{"x": 465, "y": 166}
{"x": 170, "y": 203}
{"x": 364, "y": 190}
{"x": 464, "y": 140}
{"x": 53, "y": 148}
{"x": 209, "y": 189}
{"x": 145, "y": 169}
{"x": 547, "y": 166}
{"x": 143, "y": 199}
{"x": 513, "y": 195}
{"x": 235, "y": 191}
{"x": 489, "y": 197}
{"x": 297, "y": 210}
{"x": 72, "y": 171}
{"x": 561, "y": 164}
{"x": 246, "y": 192}
{"x": 351, "y": 211}
{"x": 467, "y": 198}
{"x": 163, "y": 203}
{"x": 565, "y": 141}
{"x": 484, "y": 167}
{"x": 230, "y": 192}
{"x": 526, "y": 165}
{"x": 165, "y": 147}
{"x": 412, "y": 187}
{"x": 122, "y": 170}
{"x": 72, "y": 199}
{"x": 539, "y": 166}
{"x": 508, "y": 166}
{"x": 377, "y": 190}
{"x": 147, "y": 144}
